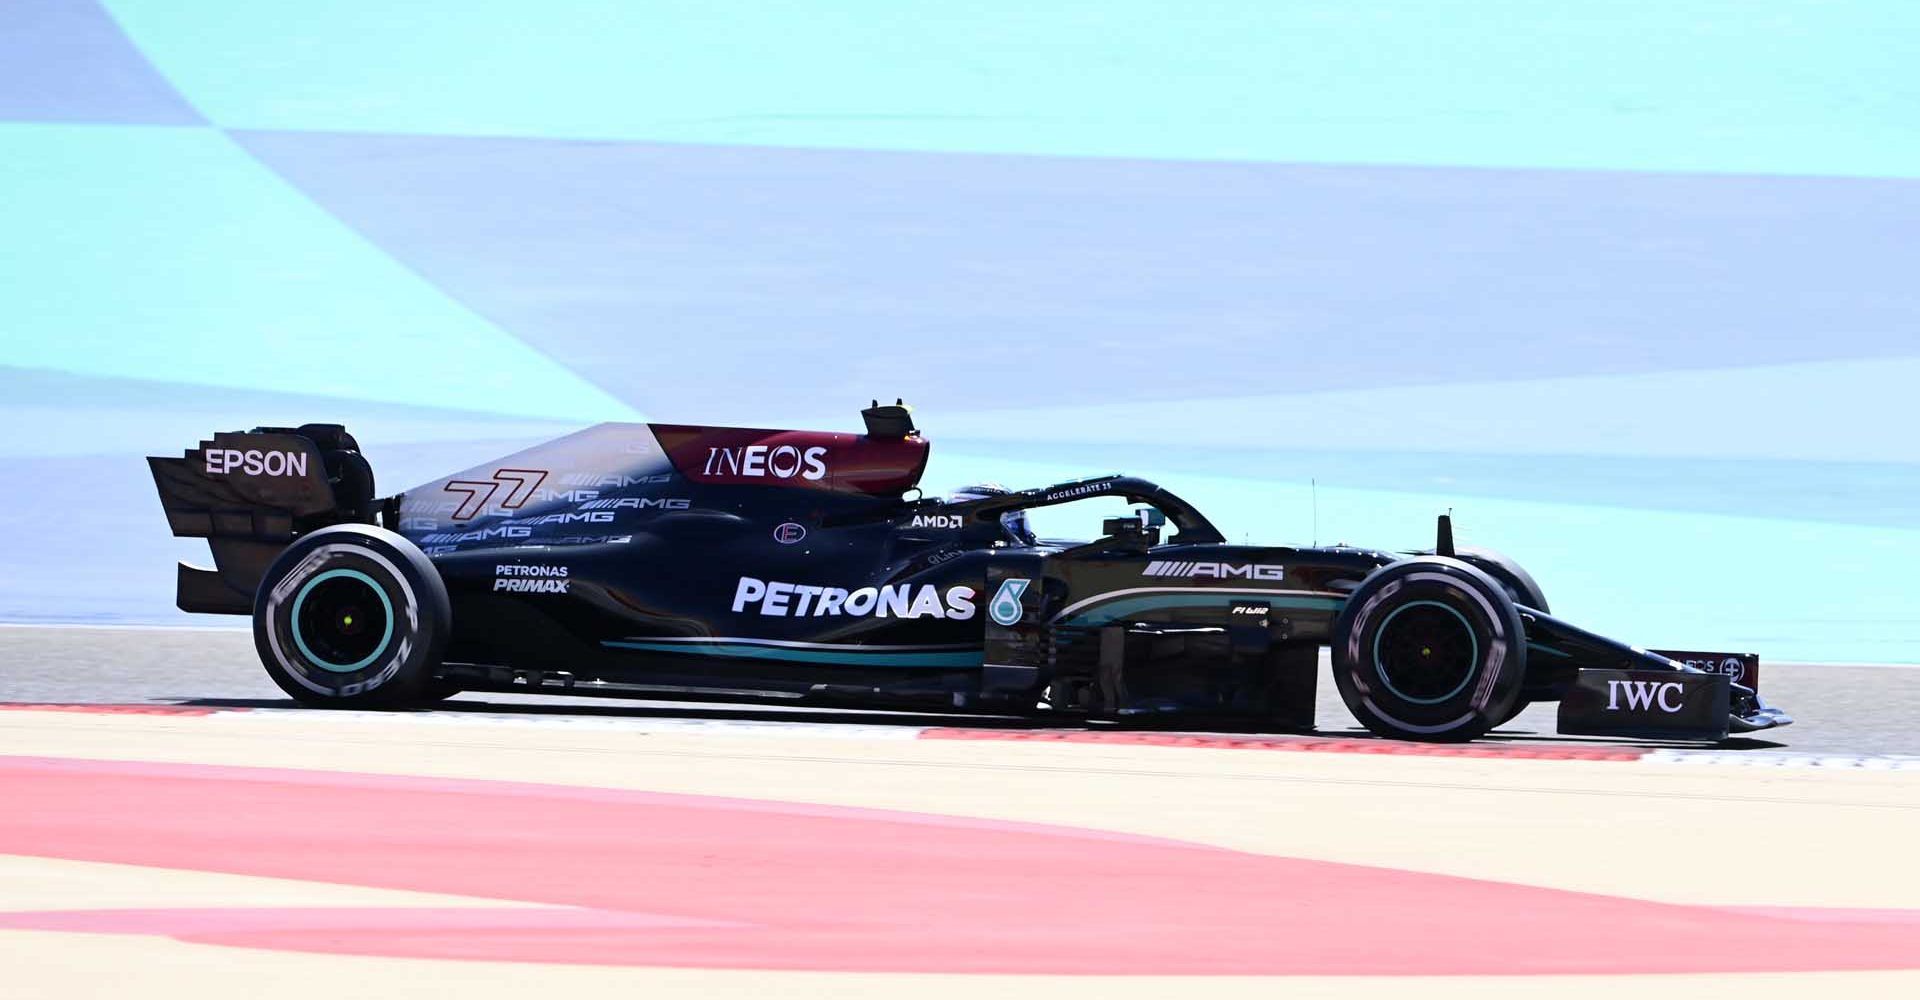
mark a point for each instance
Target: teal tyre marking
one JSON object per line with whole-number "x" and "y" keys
{"x": 301, "y": 641}
{"x": 1387, "y": 679}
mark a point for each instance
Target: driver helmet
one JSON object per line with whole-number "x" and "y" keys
{"x": 1013, "y": 522}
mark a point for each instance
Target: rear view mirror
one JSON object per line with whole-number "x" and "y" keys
{"x": 1152, "y": 518}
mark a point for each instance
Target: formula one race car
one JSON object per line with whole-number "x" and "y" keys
{"x": 725, "y": 564}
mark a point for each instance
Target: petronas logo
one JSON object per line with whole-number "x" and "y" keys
{"x": 1005, "y": 608}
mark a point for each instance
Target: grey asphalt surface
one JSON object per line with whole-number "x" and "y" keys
{"x": 1839, "y": 709}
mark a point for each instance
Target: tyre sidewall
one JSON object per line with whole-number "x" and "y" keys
{"x": 417, "y": 610}
{"x": 1492, "y": 687}
{"x": 1518, "y": 582}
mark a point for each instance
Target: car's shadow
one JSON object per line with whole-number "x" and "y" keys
{"x": 471, "y": 705}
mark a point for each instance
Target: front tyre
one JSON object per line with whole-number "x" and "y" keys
{"x": 351, "y": 616}
{"x": 1520, "y": 586}
{"x": 1430, "y": 649}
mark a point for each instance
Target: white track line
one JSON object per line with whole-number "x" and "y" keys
{"x": 1747, "y": 758}
{"x": 72, "y": 626}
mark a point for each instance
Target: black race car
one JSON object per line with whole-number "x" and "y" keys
{"x": 710, "y": 563}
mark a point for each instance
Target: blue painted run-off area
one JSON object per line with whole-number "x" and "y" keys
{"x": 1627, "y": 285}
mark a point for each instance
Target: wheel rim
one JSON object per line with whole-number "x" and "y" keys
{"x": 1425, "y": 652}
{"x": 342, "y": 621}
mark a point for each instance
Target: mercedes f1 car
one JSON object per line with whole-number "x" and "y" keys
{"x": 708, "y": 563}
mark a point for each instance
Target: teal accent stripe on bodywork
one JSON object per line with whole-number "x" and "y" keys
{"x": 850, "y": 657}
{"x": 1105, "y": 613}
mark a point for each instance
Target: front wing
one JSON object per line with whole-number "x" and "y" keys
{"x": 1608, "y": 688}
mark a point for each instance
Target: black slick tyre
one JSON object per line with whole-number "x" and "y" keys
{"x": 1430, "y": 649}
{"x": 1510, "y": 574}
{"x": 1519, "y": 584}
{"x": 351, "y": 616}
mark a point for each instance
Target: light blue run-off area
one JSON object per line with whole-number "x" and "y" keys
{"x": 169, "y": 254}
{"x": 1787, "y": 590}
{"x": 1772, "y": 86}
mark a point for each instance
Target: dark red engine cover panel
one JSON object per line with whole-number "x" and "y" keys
{"x": 738, "y": 456}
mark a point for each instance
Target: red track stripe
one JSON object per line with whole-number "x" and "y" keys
{"x": 1298, "y": 744}
{"x": 680, "y": 880}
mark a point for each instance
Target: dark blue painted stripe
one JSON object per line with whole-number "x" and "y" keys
{"x": 68, "y": 61}
{"x": 1271, "y": 274}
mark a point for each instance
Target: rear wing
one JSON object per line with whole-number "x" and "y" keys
{"x": 250, "y": 493}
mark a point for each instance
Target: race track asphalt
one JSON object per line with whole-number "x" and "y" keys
{"x": 1839, "y": 709}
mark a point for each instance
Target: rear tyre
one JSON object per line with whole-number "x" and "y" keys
{"x": 351, "y": 616}
{"x": 1430, "y": 649}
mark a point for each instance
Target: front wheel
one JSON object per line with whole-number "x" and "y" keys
{"x": 351, "y": 616}
{"x": 1430, "y": 649}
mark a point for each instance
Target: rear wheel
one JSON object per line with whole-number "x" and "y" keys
{"x": 1430, "y": 649}
{"x": 351, "y": 616}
